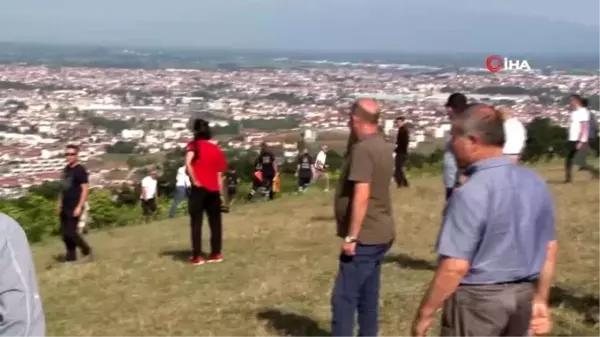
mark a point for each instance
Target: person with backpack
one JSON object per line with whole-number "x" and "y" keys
{"x": 205, "y": 163}
{"x": 304, "y": 171}
{"x": 578, "y": 138}
{"x": 266, "y": 171}
{"x": 593, "y": 140}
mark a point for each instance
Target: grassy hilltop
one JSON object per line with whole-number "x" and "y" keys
{"x": 279, "y": 267}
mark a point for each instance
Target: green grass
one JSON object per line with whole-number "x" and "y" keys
{"x": 281, "y": 259}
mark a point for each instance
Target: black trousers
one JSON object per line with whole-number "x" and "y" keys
{"x": 70, "y": 235}
{"x": 399, "y": 174}
{"x": 203, "y": 201}
{"x": 304, "y": 180}
{"x": 571, "y": 152}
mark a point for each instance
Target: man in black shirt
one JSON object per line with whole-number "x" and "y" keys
{"x": 304, "y": 171}
{"x": 232, "y": 182}
{"x": 71, "y": 204}
{"x": 265, "y": 164}
{"x": 402, "y": 140}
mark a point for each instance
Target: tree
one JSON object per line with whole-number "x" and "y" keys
{"x": 544, "y": 139}
{"x": 122, "y": 147}
{"x": 49, "y": 189}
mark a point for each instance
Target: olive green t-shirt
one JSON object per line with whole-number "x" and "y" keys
{"x": 370, "y": 161}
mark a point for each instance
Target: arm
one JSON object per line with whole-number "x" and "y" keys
{"x": 83, "y": 180}
{"x": 15, "y": 301}
{"x": 457, "y": 244}
{"x": 583, "y": 132}
{"x": 548, "y": 223}
{"x": 361, "y": 172}
{"x": 189, "y": 157}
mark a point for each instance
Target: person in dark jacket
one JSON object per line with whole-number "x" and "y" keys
{"x": 265, "y": 164}
{"x": 304, "y": 171}
{"x": 402, "y": 140}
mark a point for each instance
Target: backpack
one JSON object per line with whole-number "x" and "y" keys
{"x": 593, "y": 126}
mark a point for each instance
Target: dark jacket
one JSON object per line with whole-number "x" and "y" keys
{"x": 402, "y": 140}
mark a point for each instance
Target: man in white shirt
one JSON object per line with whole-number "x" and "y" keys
{"x": 182, "y": 183}
{"x": 149, "y": 195}
{"x": 577, "y": 136}
{"x": 320, "y": 166}
{"x": 515, "y": 135}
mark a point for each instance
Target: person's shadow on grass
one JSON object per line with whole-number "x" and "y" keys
{"x": 585, "y": 304}
{"x": 406, "y": 261}
{"x": 182, "y": 255}
{"x": 291, "y": 324}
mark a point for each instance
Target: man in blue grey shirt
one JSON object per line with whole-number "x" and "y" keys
{"x": 456, "y": 104}
{"x": 497, "y": 245}
{"x": 21, "y": 312}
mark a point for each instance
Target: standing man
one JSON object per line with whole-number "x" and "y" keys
{"x": 304, "y": 171}
{"x": 182, "y": 185}
{"x": 515, "y": 134}
{"x": 71, "y": 204}
{"x": 456, "y": 104}
{"x": 20, "y": 302}
{"x": 365, "y": 223}
{"x": 497, "y": 245}
{"x": 319, "y": 167}
{"x": 402, "y": 140}
{"x": 149, "y": 195}
{"x": 232, "y": 184}
{"x": 578, "y": 137}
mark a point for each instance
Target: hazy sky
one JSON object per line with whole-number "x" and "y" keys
{"x": 394, "y": 25}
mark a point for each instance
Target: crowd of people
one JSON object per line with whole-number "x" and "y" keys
{"x": 494, "y": 270}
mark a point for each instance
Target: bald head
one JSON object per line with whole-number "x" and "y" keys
{"x": 367, "y": 109}
{"x": 483, "y": 122}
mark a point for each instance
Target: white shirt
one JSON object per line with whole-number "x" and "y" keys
{"x": 320, "y": 160}
{"x": 182, "y": 178}
{"x": 577, "y": 117}
{"x": 516, "y": 136}
{"x": 149, "y": 184}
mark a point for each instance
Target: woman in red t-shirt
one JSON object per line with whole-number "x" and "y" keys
{"x": 205, "y": 163}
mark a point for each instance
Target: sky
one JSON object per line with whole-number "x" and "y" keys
{"x": 544, "y": 26}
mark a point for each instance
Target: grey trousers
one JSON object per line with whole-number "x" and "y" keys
{"x": 489, "y": 310}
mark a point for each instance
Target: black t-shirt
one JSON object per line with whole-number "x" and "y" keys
{"x": 266, "y": 162}
{"x": 72, "y": 179}
{"x": 305, "y": 163}
{"x": 232, "y": 179}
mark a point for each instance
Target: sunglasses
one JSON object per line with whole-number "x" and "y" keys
{"x": 68, "y": 154}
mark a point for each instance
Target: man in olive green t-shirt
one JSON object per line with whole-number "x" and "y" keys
{"x": 364, "y": 222}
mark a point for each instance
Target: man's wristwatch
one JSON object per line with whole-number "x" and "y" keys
{"x": 350, "y": 239}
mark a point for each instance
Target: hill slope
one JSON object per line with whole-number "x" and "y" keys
{"x": 279, "y": 267}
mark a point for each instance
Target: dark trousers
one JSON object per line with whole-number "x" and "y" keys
{"x": 399, "y": 174}
{"x": 71, "y": 237}
{"x": 304, "y": 181}
{"x": 488, "y": 310}
{"x": 357, "y": 288}
{"x": 202, "y": 200}
{"x": 579, "y": 156}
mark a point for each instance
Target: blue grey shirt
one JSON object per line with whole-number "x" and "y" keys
{"x": 451, "y": 172}
{"x": 21, "y": 312}
{"x": 500, "y": 220}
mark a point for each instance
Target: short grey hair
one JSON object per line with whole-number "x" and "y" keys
{"x": 482, "y": 121}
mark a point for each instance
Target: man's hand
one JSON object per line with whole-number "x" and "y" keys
{"x": 196, "y": 184}
{"x": 421, "y": 323}
{"x": 348, "y": 249}
{"x": 579, "y": 145}
{"x": 541, "y": 321}
{"x": 77, "y": 211}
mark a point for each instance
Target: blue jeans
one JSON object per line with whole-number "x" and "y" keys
{"x": 357, "y": 288}
{"x": 180, "y": 195}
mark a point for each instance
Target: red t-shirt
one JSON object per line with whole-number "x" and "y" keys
{"x": 209, "y": 163}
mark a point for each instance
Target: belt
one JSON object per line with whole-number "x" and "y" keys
{"x": 519, "y": 281}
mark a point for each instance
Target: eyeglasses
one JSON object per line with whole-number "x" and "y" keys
{"x": 68, "y": 154}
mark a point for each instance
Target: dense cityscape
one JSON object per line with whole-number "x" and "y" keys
{"x": 146, "y": 111}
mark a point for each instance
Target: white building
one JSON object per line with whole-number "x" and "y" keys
{"x": 132, "y": 134}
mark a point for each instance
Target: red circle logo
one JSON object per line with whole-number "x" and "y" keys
{"x": 494, "y": 63}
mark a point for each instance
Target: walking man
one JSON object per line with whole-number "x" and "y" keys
{"x": 182, "y": 185}
{"x": 320, "y": 166}
{"x": 515, "y": 134}
{"x": 304, "y": 171}
{"x": 21, "y": 309}
{"x": 497, "y": 245}
{"x": 456, "y": 104}
{"x": 402, "y": 140}
{"x": 364, "y": 222}
{"x": 149, "y": 195}
{"x": 71, "y": 204}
